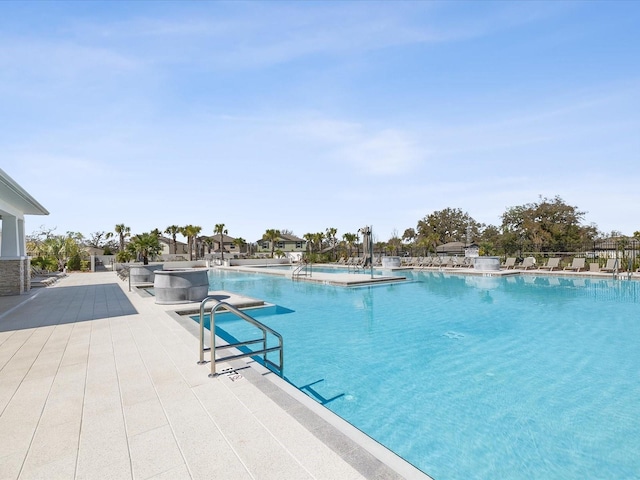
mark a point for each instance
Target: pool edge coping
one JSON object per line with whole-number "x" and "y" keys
{"x": 364, "y": 453}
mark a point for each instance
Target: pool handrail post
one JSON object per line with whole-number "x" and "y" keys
{"x": 212, "y": 331}
{"x": 265, "y": 330}
{"x": 202, "y": 349}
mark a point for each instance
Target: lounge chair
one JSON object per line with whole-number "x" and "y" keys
{"x": 577, "y": 264}
{"x": 594, "y": 267}
{"x": 612, "y": 265}
{"x": 552, "y": 263}
{"x": 415, "y": 262}
{"x": 527, "y": 263}
{"x": 452, "y": 262}
{"x": 426, "y": 262}
{"x": 509, "y": 263}
{"x": 123, "y": 272}
{"x": 465, "y": 262}
{"x": 440, "y": 262}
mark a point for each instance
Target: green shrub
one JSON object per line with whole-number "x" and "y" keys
{"x": 74, "y": 262}
{"x": 123, "y": 256}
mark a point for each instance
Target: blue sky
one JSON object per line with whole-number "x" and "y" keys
{"x": 308, "y": 115}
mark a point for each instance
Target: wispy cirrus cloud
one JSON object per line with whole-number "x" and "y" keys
{"x": 367, "y": 149}
{"x": 253, "y": 35}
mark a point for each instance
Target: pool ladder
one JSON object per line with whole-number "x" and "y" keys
{"x": 629, "y": 270}
{"x": 303, "y": 270}
{"x": 214, "y": 349}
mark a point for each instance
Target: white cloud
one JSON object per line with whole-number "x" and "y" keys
{"x": 387, "y": 152}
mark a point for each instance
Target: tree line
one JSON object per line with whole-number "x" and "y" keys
{"x": 547, "y": 225}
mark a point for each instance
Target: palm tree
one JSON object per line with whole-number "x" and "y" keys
{"x": 146, "y": 245}
{"x": 428, "y": 242}
{"x": 220, "y": 230}
{"x": 271, "y": 235}
{"x": 191, "y": 232}
{"x": 309, "y": 238}
{"x": 317, "y": 240}
{"x": 351, "y": 239}
{"x": 123, "y": 232}
{"x": 239, "y": 242}
{"x": 208, "y": 241}
{"x": 173, "y": 230}
{"x": 331, "y": 237}
{"x": 57, "y": 247}
{"x": 394, "y": 245}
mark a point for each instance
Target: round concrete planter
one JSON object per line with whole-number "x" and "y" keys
{"x": 140, "y": 274}
{"x": 390, "y": 262}
{"x": 487, "y": 264}
{"x": 181, "y": 285}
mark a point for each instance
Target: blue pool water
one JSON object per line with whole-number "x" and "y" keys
{"x": 469, "y": 377}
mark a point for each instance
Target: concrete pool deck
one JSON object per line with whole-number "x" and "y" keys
{"x": 341, "y": 276}
{"x": 99, "y": 382}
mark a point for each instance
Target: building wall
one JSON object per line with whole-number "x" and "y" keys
{"x": 265, "y": 246}
{"x": 15, "y": 276}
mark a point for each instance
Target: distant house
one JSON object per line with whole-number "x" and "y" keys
{"x": 167, "y": 246}
{"x": 285, "y": 242}
{"x": 614, "y": 246}
{"x": 458, "y": 248}
{"x": 227, "y": 244}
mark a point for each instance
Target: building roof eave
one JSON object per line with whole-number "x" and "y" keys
{"x": 14, "y": 195}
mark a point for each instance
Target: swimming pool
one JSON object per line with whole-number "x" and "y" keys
{"x": 470, "y": 377}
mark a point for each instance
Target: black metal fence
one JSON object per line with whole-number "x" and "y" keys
{"x": 627, "y": 251}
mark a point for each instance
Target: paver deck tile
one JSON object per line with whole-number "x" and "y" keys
{"x": 97, "y": 382}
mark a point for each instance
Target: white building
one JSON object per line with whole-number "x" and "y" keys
{"x": 15, "y": 265}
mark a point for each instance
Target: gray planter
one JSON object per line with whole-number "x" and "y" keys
{"x": 487, "y": 264}
{"x": 181, "y": 285}
{"x": 391, "y": 262}
{"x": 141, "y": 274}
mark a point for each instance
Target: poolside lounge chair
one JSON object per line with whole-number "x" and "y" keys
{"x": 527, "y": 263}
{"x": 612, "y": 265}
{"x": 451, "y": 262}
{"x": 440, "y": 262}
{"x": 509, "y": 263}
{"x": 577, "y": 264}
{"x": 425, "y": 262}
{"x": 465, "y": 262}
{"x": 415, "y": 262}
{"x": 594, "y": 267}
{"x": 123, "y": 272}
{"x": 552, "y": 263}
{"x": 460, "y": 262}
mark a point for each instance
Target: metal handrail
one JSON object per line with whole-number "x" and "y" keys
{"x": 297, "y": 272}
{"x": 202, "y": 348}
{"x": 213, "y": 349}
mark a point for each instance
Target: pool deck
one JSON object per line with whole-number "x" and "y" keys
{"x": 99, "y": 382}
{"x": 340, "y": 277}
